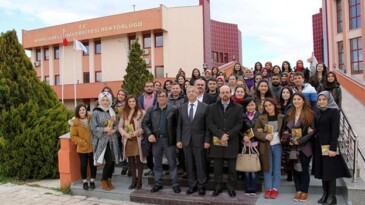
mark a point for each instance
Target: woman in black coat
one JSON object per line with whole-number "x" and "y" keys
{"x": 328, "y": 168}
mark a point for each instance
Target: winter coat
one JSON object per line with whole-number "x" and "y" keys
{"x": 100, "y": 138}
{"x": 138, "y": 127}
{"x": 229, "y": 122}
{"x": 264, "y": 145}
{"x": 179, "y": 101}
{"x": 327, "y": 132}
{"x": 81, "y": 136}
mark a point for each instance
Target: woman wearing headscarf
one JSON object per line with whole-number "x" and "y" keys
{"x": 103, "y": 126}
{"x": 328, "y": 164}
{"x": 300, "y": 68}
{"x": 333, "y": 86}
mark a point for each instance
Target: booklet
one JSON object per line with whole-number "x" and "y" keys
{"x": 296, "y": 133}
{"x": 108, "y": 123}
{"x": 249, "y": 133}
{"x": 326, "y": 148}
{"x": 218, "y": 142}
{"x": 129, "y": 128}
{"x": 269, "y": 129}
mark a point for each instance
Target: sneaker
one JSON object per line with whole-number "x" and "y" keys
{"x": 247, "y": 193}
{"x": 253, "y": 194}
{"x": 92, "y": 185}
{"x": 274, "y": 194}
{"x": 297, "y": 196}
{"x": 149, "y": 173}
{"x": 268, "y": 194}
{"x": 85, "y": 186}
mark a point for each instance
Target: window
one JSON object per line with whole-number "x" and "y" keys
{"x": 159, "y": 71}
{"x": 46, "y": 54}
{"x": 86, "y": 77}
{"x": 225, "y": 57}
{"x": 339, "y": 16}
{"x": 356, "y": 56}
{"x": 56, "y": 52}
{"x": 97, "y": 47}
{"x": 158, "y": 39}
{"x": 341, "y": 59}
{"x": 38, "y": 55}
{"x": 147, "y": 41}
{"x": 57, "y": 80}
{"x": 355, "y": 14}
{"x": 215, "y": 56}
{"x": 86, "y": 44}
{"x": 46, "y": 79}
{"x": 132, "y": 39}
{"x": 98, "y": 76}
{"x": 221, "y": 57}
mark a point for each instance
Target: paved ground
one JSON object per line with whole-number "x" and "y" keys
{"x": 12, "y": 194}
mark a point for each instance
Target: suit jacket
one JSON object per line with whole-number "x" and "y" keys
{"x": 208, "y": 99}
{"x": 195, "y": 132}
{"x": 229, "y": 122}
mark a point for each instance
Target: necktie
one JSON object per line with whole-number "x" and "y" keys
{"x": 225, "y": 107}
{"x": 191, "y": 113}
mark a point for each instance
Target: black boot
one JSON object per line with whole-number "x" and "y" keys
{"x": 133, "y": 184}
{"x": 324, "y": 197}
{"x": 332, "y": 192}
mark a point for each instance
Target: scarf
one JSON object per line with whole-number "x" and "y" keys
{"x": 331, "y": 101}
{"x": 109, "y": 106}
{"x": 237, "y": 100}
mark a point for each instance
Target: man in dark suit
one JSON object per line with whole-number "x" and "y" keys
{"x": 224, "y": 122}
{"x": 193, "y": 136}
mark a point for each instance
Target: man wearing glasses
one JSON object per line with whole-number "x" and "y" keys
{"x": 159, "y": 125}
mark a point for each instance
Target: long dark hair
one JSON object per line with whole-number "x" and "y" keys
{"x": 268, "y": 92}
{"x": 281, "y": 99}
{"x": 307, "y": 114}
{"x": 192, "y": 74}
{"x": 289, "y": 67}
{"x": 128, "y": 109}
{"x": 315, "y": 78}
{"x": 77, "y": 109}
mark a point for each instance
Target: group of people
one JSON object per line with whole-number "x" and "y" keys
{"x": 294, "y": 118}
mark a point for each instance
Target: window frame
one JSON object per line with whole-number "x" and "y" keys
{"x": 163, "y": 74}
{"x": 340, "y": 55}
{"x": 144, "y": 38}
{"x": 356, "y": 16}
{"x": 98, "y": 42}
{"x": 96, "y": 77}
{"x": 56, "y": 52}
{"x": 338, "y": 12}
{"x": 38, "y": 54}
{"x": 59, "y": 80}
{"x": 87, "y": 46}
{"x": 130, "y": 39}
{"x": 88, "y": 77}
{"x": 358, "y": 51}
{"x": 156, "y": 36}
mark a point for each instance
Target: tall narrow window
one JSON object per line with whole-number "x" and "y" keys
{"x": 158, "y": 39}
{"x": 46, "y": 79}
{"x": 46, "y": 54}
{"x": 56, "y": 52}
{"x": 356, "y": 56}
{"x": 159, "y": 71}
{"x": 86, "y": 77}
{"x": 86, "y": 44}
{"x": 355, "y": 14}
{"x": 98, "y": 76}
{"x": 97, "y": 47}
{"x": 57, "y": 80}
{"x": 132, "y": 39}
{"x": 341, "y": 60}
{"x": 38, "y": 55}
{"x": 147, "y": 41}
{"x": 339, "y": 15}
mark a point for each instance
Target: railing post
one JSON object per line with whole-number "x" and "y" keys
{"x": 355, "y": 162}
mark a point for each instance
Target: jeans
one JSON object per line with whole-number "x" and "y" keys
{"x": 302, "y": 179}
{"x": 158, "y": 149}
{"x": 251, "y": 179}
{"x": 273, "y": 176}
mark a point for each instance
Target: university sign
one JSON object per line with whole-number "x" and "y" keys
{"x": 84, "y": 30}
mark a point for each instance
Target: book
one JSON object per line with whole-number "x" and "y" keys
{"x": 269, "y": 129}
{"x": 129, "y": 128}
{"x": 218, "y": 142}
{"x": 108, "y": 123}
{"x": 296, "y": 133}
{"x": 249, "y": 133}
{"x": 325, "y": 149}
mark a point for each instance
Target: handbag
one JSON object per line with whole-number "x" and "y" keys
{"x": 248, "y": 162}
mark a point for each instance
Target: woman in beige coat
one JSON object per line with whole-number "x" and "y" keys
{"x": 131, "y": 131}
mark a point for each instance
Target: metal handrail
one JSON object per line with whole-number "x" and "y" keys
{"x": 349, "y": 145}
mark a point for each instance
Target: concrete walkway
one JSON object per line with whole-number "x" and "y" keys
{"x": 12, "y": 194}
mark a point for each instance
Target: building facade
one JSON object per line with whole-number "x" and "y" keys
{"x": 317, "y": 26}
{"x": 344, "y": 35}
{"x": 172, "y": 38}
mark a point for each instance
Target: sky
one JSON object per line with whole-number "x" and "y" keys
{"x": 272, "y": 30}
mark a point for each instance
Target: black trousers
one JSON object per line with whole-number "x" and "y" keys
{"x": 218, "y": 173}
{"x": 87, "y": 158}
{"x": 109, "y": 164}
{"x": 149, "y": 159}
{"x": 301, "y": 179}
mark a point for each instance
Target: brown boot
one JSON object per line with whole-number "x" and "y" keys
{"x": 109, "y": 181}
{"x": 133, "y": 184}
{"x": 104, "y": 185}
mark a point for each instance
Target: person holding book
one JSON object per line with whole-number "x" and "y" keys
{"x": 131, "y": 130}
{"x": 298, "y": 132}
{"x": 103, "y": 126}
{"x": 268, "y": 131}
{"x": 81, "y": 136}
{"x": 328, "y": 164}
{"x": 225, "y": 122}
{"x": 250, "y": 116}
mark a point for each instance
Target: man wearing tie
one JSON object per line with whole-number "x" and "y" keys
{"x": 193, "y": 136}
{"x": 225, "y": 122}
